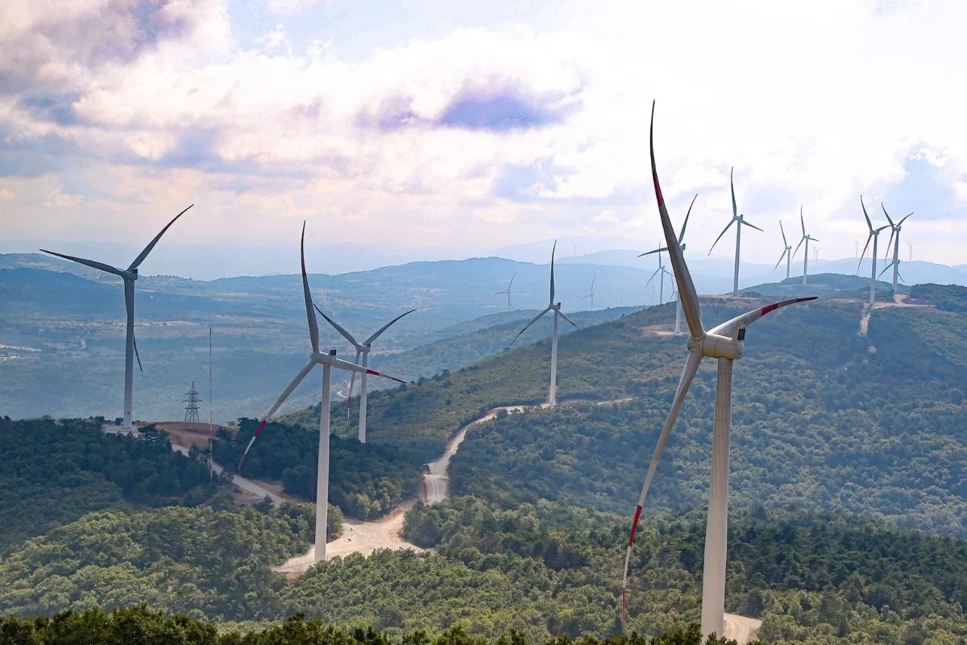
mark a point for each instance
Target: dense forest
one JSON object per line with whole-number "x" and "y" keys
{"x": 53, "y": 472}
{"x": 146, "y": 627}
{"x": 544, "y": 570}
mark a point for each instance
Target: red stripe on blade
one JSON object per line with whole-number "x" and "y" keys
{"x": 770, "y": 308}
{"x": 634, "y": 526}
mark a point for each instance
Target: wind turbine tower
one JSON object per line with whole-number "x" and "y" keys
{"x": 805, "y": 238}
{"x": 362, "y": 350}
{"x": 726, "y": 342}
{"x": 328, "y": 360}
{"x": 129, "y": 276}
{"x": 738, "y": 235}
{"x": 682, "y": 245}
{"x": 661, "y": 272}
{"x": 874, "y": 235}
{"x": 895, "y": 241}
{"x": 556, "y": 308}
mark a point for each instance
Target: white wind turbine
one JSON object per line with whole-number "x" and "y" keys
{"x": 591, "y": 293}
{"x": 328, "y": 361}
{"x": 726, "y": 343}
{"x": 807, "y": 239}
{"x": 874, "y": 235}
{"x": 682, "y": 246}
{"x": 129, "y": 276}
{"x": 362, "y": 350}
{"x": 738, "y": 235}
{"x": 786, "y": 253}
{"x": 507, "y": 290}
{"x": 556, "y": 308}
{"x": 661, "y": 272}
{"x": 894, "y": 237}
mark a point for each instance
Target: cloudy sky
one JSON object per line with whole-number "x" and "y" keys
{"x": 446, "y": 128}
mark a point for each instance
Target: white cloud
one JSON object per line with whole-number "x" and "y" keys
{"x": 811, "y": 104}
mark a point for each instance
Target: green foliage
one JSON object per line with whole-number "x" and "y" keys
{"x": 949, "y": 297}
{"x": 213, "y": 564}
{"x": 366, "y": 480}
{"x": 53, "y": 472}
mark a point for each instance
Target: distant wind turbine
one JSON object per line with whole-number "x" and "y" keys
{"x": 910, "y": 256}
{"x": 738, "y": 235}
{"x": 805, "y": 238}
{"x": 507, "y": 290}
{"x": 556, "y": 308}
{"x": 129, "y": 276}
{"x": 362, "y": 350}
{"x": 328, "y": 361}
{"x": 894, "y": 237}
{"x": 682, "y": 245}
{"x": 725, "y": 342}
{"x": 786, "y": 253}
{"x": 591, "y": 293}
{"x": 875, "y": 236}
{"x": 661, "y": 272}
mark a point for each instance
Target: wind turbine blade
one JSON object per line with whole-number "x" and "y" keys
{"x": 345, "y": 334}
{"x": 729, "y": 327}
{"x": 138, "y": 260}
{"x": 688, "y": 375}
{"x": 553, "y": 249}
{"x": 275, "y": 406}
{"x": 564, "y": 316}
{"x": 801, "y": 240}
{"x": 752, "y": 225}
{"x": 681, "y": 234}
{"x": 658, "y": 250}
{"x": 511, "y": 282}
{"x": 802, "y": 221}
{"x": 585, "y": 297}
{"x": 340, "y": 364}
{"x": 657, "y": 271}
{"x": 310, "y": 314}
{"x": 886, "y": 256}
{"x": 686, "y": 288}
{"x": 898, "y": 224}
{"x": 868, "y": 222}
{"x": 385, "y": 327}
{"x": 134, "y": 341}
{"x": 899, "y": 275}
{"x": 91, "y": 263}
{"x": 352, "y": 381}
{"x": 536, "y": 318}
{"x": 863, "y": 254}
{"x": 735, "y": 211}
{"x": 499, "y": 293}
{"x": 887, "y": 214}
{"x": 731, "y": 222}
{"x": 781, "y": 258}
{"x": 784, "y": 242}
{"x": 884, "y": 269}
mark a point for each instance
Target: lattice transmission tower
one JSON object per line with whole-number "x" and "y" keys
{"x": 191, "y": 405}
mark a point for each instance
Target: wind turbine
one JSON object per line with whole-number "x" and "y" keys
{"x": 805, "y": 238}
{"x": 328, "y": 361}
{"x": 894, "y": 235}
{"x": 738, "y": 235}
{"x": 556, "y": 308}
{"x": 682, "y": 245}
{"x": 661, "y": 272}
{"x": 786, "y": 253}
{"x": 362, "y": 350}
{"x": 591, "y": 293}
{"x": 129, "y": 276}
{"x": 726, "y": 342}
{"x": 875, "y": 236}
{"x": 507, "y": 290}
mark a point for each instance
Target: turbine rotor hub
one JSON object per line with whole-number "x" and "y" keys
{"x": 716, "y": 346}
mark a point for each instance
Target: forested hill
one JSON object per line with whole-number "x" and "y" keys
{"x": 823, "y": 417}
